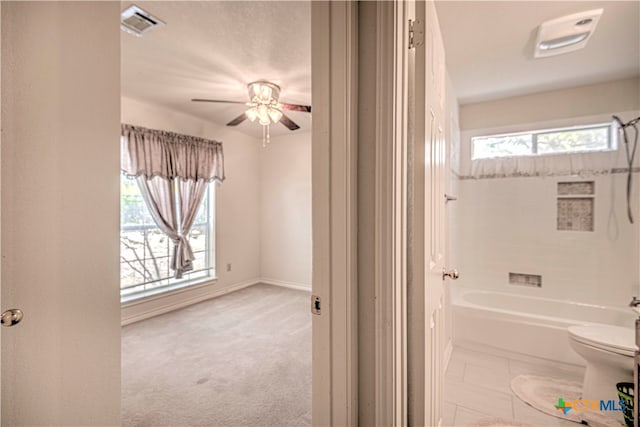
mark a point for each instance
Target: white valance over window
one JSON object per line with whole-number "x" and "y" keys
{"x": 151, "y": 152}
{"x": 585, "y": 164}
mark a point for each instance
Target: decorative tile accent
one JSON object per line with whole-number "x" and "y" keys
{"x": 576, "y": 188}
{"x": 575, "y": 213}
{"x": 525, "y": 279}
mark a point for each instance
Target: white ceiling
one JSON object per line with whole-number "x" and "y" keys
{"x": 489, "y": 47}
{"x": 213, "y": 49}
{"x": 210, "y": 49}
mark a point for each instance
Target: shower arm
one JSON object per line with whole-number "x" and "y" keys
{"x": 629, "y": 123}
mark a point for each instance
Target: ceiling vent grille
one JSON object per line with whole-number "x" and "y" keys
{"x": 137, "y": 21}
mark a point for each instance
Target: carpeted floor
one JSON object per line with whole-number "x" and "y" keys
{"x": 243, "y": 359}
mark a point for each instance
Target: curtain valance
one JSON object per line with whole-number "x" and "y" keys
{"x": 151, "y": 152}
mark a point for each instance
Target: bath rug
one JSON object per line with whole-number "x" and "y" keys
{"x": 498, "y": 422}
{"x": 546, "y": 394}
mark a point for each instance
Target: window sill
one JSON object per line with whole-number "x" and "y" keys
{"x": 151, "y": 295}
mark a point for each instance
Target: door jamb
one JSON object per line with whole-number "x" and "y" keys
{"x": 392, "y": 140}
{"x": 334, "y": 205}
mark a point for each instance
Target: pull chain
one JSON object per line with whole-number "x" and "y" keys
{"x": 266, "y": 137}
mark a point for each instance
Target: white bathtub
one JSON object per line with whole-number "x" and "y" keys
{"x": 528, "y": 325}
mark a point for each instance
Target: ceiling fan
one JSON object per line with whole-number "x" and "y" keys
{"x": 264, "y": 106}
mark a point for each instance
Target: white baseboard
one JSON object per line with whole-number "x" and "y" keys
{"x": 290, "y": 285}
{"x": 171, "y": 304}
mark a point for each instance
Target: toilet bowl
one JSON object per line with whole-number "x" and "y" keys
{"x": 608, "y": 352}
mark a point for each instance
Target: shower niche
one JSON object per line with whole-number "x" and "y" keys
{"x": 575, "y": 206}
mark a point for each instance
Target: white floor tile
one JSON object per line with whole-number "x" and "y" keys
{"x": 449, "y": 414}
{"x": 478, "y": 398}
{"x": 559, "y": 370}
{"x": 495, "y": 363}
{"x": 488, "y": 378}
{"x": 478, "y": 385}
{"x": 466, "y": 416}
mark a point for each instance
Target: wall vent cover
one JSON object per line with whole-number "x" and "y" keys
{"x": 137, "y": 21}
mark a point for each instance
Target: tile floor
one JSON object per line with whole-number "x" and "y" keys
{"x": 478, "y": 385}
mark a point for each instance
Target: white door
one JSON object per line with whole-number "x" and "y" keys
{"x": 426, "y": 290}
{"x": 435, "y": 227}
{"x": 59, "y": 218}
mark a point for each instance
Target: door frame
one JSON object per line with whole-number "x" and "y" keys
{"x": 391, "y": 193}
{"x": 334, "y": 27}
{"x": 334, "y": 44}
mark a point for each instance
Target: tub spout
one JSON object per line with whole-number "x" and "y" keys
{"x": 634, "y": 302}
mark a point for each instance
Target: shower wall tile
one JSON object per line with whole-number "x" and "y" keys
{"x": 511, "y": 225}
{"x": 575, "y": 213}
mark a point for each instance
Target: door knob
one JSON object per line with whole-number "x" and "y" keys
{"x": 11, "y": 317}
{"x": 453, "y": 273}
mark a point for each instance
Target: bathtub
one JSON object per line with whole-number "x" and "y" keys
{"x": 529, "y": 325}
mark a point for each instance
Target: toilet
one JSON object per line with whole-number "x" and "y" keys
{"x": 608, "y": 352}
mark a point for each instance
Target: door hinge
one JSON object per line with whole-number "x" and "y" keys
{"x": 416, "y": 33}
{"x": 315, "y": 305}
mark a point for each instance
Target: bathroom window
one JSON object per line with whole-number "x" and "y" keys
{"x": 581, "y": 139}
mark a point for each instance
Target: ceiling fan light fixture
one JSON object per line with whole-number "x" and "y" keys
{"x": 275, "y": 114}
{"x": 252, "y": 114}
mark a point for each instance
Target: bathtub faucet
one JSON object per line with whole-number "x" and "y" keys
{"x": 634, "y": 302}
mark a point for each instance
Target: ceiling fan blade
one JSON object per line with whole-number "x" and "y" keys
{"x": 288, "y": 123}
{"x": 235, "y": 122}
{"x": 217, "y": 100}
{"x": 297, "y": 107}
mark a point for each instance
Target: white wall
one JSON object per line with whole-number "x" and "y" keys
{"x": 285, "y": 210}
{"x": 237, "y": 205}
{"x": 618, "y": 95}
{"x": 507, "y": 225}
{"x": 60, "y": 156}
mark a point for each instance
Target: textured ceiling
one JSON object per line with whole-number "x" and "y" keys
{"x": 489, "y": 47}
{"x": 213, "y": 49}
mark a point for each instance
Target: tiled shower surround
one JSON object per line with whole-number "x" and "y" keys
{"x": 504, "y": 225}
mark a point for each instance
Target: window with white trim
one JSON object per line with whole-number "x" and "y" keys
{"x": 145, "y": 251}
{"x": 577, "y": 139}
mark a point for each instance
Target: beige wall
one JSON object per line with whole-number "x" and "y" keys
{"x": 619, "y": 95}
{"x": 285, "y": 210}
{"x": 60, "y": 156}
{"x": 237, "y": 205}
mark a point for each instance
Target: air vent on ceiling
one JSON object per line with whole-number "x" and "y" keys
{"x": 137, "y": 21}
{"x": 566, "y": 34}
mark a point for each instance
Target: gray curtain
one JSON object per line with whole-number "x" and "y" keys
{"x": 173, "y": 172}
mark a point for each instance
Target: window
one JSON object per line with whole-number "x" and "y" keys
{"x": 552, "y": 141}
{"x": 145, "y": 251}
